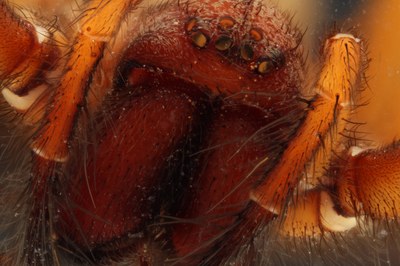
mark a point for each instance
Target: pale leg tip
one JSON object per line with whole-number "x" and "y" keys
{"x": 24, "y": 102}
{"x": 272, "y": 208}
{"x": 330, "y": 219}
{"x": 41, "y": 152}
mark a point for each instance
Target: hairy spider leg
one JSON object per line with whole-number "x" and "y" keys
{"x": 29, "y": 52}
{"x": 99, "y": 22}
{"x": 339, "y": 78}
{"x": 369, "y": 183}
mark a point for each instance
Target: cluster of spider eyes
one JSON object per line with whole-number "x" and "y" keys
{"x": 224, "y": 42}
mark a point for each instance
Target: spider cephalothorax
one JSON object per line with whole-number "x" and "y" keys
{"x": 176, "y": 133}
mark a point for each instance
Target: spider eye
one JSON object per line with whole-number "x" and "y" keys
{"x": 223, "y": 43}
{"x": 194, "y": 28}
{"x": 226, "y": 23}
{"x": 199, "y": 39}
{"x": 191, "y": 24}
{"x": 247, "y": 52}
{"x": 265, "y": 66}
{"x": 256, "y": 34}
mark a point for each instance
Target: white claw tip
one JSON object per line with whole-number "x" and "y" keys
{"x": 330, "y": 219}
{"x": 23, "y": 103}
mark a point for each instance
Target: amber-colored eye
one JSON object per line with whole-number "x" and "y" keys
{"x": 265, "y": 66}
{"x": 199, "y": 39}
{"x": 226, "y": 23}
{"x": 191, "y": 24}
{"x": 256, "y": 34}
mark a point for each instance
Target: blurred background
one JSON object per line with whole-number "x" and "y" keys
{"x": 376, "y": 23}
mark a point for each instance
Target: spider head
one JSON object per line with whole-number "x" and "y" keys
{"x": 251, "y": 46}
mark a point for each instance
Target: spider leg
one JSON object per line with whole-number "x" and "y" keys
{"x": 338, "y": 82}
{"x": 314, "y": 213}
{"x": 369, "y": 183}
{"x": 98, "y": 24}
{"x": 29, "y": 52}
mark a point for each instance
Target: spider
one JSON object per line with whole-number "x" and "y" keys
{"x": 178, "y": 134}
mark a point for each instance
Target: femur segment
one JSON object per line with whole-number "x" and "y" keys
{"x": 99, "y": 22}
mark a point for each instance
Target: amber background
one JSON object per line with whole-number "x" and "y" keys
{"x": 379, "y": 24}
{"x": 376, "y": 23}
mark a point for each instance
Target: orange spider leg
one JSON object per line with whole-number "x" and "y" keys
{"x": 314, "y": 213}
{"x": 369, "y": 184}
{"x": 303, "y": 217}
{"x": 28, "y": 52}
{"x": 334, "y": 102}
{"x": 20, "y": 55}
{"x": 99, "y": 22}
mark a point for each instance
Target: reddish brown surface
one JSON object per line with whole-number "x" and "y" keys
{"x": 114, "y": 198}
{"x": 115, "y": 189}
{"x": 122, "y": 180}
{"x": 169, "y": 46}
{"x": 21, "y": 41}
{"x": 232, "y": 161}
